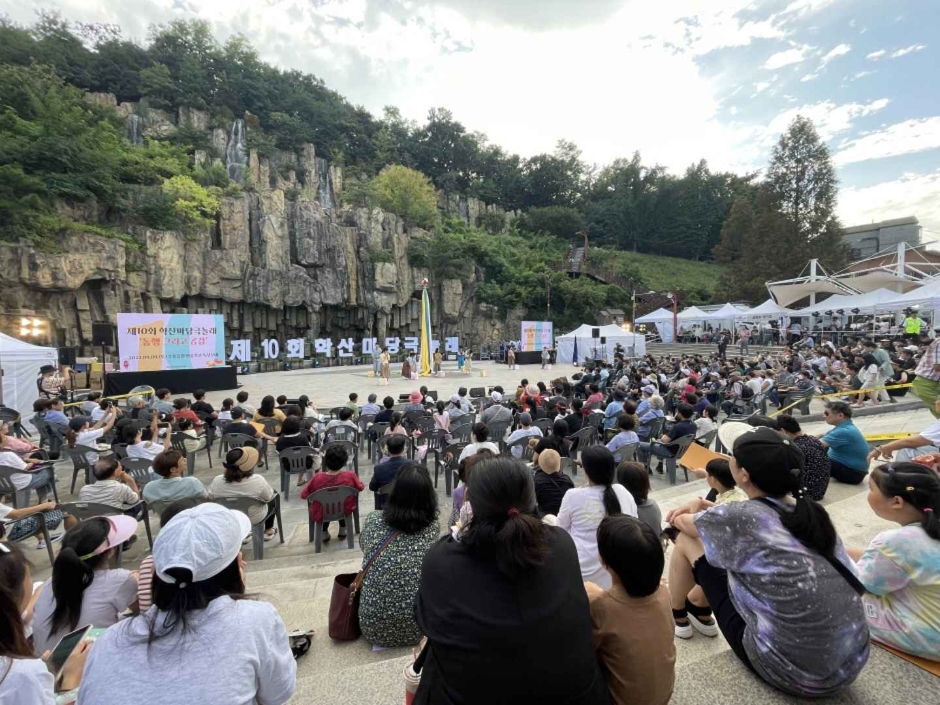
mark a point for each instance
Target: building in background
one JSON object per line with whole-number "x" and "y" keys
{"x": 866, "y": 240}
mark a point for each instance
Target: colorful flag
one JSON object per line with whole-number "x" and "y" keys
{"x": 424, "y": 363}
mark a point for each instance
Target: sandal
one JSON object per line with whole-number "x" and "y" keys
{"x": 268, "y": 537}
{"x": 683, "y": 631}
{"x": 697, "y": 615}
{"x": 300, "y": 642}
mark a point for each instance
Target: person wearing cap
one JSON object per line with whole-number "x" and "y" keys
{"x": 648, "y": 391}
{"x": 454, "y": 407}
{"x": 804, "y": 631}
{"x": 525, "y": 430}
{"x": 550, "y": 482}
{"x": 83, "y": 433}
{"x": 847, "y": 447}
{"x": 239, "y": 480}
{"x": 175, "y": 653}
{"x": 496, "y": 412}
{"x": 912, "y": 325}
{"x": 415, "y": 402}
{"x": 84, "y": 589}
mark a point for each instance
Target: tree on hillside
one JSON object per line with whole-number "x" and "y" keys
{"x": 407, "y": 193}
{"x": 736, "y": 227}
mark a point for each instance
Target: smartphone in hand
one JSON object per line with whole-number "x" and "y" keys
{"x": 64, "y": 649}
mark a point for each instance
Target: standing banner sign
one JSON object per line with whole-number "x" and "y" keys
{"x": 424, "y": 362}
{"x": 536, "y": 335}
{"x": 149, "y": 342}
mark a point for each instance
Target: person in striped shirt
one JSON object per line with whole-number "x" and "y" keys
{"x": 113, "y": 487}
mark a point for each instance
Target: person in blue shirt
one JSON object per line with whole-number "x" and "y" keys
{"x": 613, "y": 409}
{"x": 848, "y": 449}
{"x": 387, "y": 470}
{"x": 644, "y": 406}
{"x": 55, "y": 413}
{"x": 626, "y": 436}
{"x": 653, "y": 412}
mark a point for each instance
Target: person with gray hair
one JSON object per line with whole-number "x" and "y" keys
{"x": 652, "y": 415}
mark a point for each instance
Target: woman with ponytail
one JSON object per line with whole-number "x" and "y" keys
{"x": 175, "y": 653}
{"x": 900, "y": 569}
{"x": 500, "y": 600}
{"x": 776, "y": 575}
{"x": 83, "y": 589}
{"x": 584, "y": 508}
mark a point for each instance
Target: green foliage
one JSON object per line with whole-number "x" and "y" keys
{"x": 192, "y": 204}
{"x": 559, "y": 221}
{"x": 492, "y": 222}
{"x": 407, "y": 193}
{"x": 152, "y": 163}
{"x": 191, "y": 138}
{"x": 358, "y": 192}
{"x": 212, "y": 175}
{"x": 376, "y": 255}
{"x": 157, "y": 85}
{"x": 264, "y": 145}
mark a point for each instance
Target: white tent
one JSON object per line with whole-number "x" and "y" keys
{"x": 927, "y": 296}
{"x": 665, "y": 323}
{"x": 728, "y": 313}
{"x": 770, "y": 309}
{"x": 20, "y": 363}
{"x": 692, "y": 313}
{"x": 586, "y": 344}
{"x": 870, "y": 302}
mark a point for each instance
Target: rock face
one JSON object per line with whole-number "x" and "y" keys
{"x": 284, "y": 259}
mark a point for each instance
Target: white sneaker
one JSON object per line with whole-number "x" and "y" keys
{"x": 708, "y": 629}
{"x": 684, "y": 631}
{"x": 52, "y": 539}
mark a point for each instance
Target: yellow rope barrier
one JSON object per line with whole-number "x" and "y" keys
{"x": 141, "y": 393}
{"x": 841, "y": 394}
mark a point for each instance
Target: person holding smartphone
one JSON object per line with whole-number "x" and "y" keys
{"x": 24, "y": 678}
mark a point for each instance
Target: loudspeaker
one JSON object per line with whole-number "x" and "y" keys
{"x": 603, "y": 340}
{"x": 67, "y": 356}
{"x": 595, "y": 332}
{"x": 102, "y": 334}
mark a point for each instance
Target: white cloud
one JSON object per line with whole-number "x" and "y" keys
{"x": 784, "y": 58}
{"x": 809, "y": 77}
{"x": 912, "y": 194}
{"x": 908, "y": 50}
{"x": 905, "y": 137}
{"x": 830, "y": 119}
{"x": 875, "y": 55}
{"x": 840, "y": 50}
{"x": 861, "y": 74}
{"x": 761, "y": 86}
{"x": 806, "y": 7}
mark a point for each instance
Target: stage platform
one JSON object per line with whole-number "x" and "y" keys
{"x": 177, "y": 381}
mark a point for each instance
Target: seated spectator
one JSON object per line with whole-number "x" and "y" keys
{"x": 395, "y": 427}
{"x": 27, "y": 679}
{"x": 241, "y": 401}
{"x": 83, "y": 589}
{"x": 113, "y": 487}
{"x": 332, "y": 475}
{"x": 614, "y": 409}
{"x": 900, "y": 569}
{"x": 631, "y": 623}
{"x": 395, "y": 541}
{"x": 171, "y": 654}
{"x": 238, "y": 424}
{"x": 454, "y": 409}
{"x": 281, "y": 403}
{"x": 463, "y": 512}
{"x": 239, "y": 480}
{"x": 172, "y": 484}
{"x": 81, "y": 433}
{"x": 36, "y": 474}
{"x": 307, "y": 407}
{"x": 225, "y": 413}
{"x": 415, "y": 403}
{"x": 625, "y": 436}
{"x": 708, "y": 423}
{"x": 345, "y": 419}
{"x": 104, "y": 406}
{"x": 370, "y": 407}
{"x": 144, "y": 442}
{"x": 496, "y": 412}
{"x": 574, "y": 420}
{"x": 137, "y": 405}
{"x": 181, "y": 411}
{"x": 293, "y": 435}
{"x": 161, "y": 402}
{"x": 386, "y": 471}
{"x": 489, "y": 587}
{"x": 583, "y": 508}
{"x": 803, "y": 632}
{"x": 555, "y": 440}
{"x": 684, "y": 426}
{"x": 594, "y": 400}
{"x": 55, "y": 414}
{"x": 202, "y": 408}
{"x": 847, "y": 447}
{"x": 815, "y": 458}
{"x": 353, "y": 404}
{"x": 268, "y": 410}
{"x": 92, "y": 401}
{"x": 525, "y": 430}
{"x": 636, "y": 480}
{"x": 22, "y": 522}
{"x": 480, "y": 434}
{"x": 388, "y": 410}
{"x": 923, "y": 443}
{"x": 653, "y": 413}
{"x": 551, "y": 483}
{"x": 441, "y": 418}
{"x": 192, "y": 441}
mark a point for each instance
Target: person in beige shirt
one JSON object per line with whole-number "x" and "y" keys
{"x": 239, "y": 480}
{"x": 632, "y": 623}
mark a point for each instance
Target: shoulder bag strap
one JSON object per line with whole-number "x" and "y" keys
{"x": 842, "y": 569}
{"x": 357, "y": 583}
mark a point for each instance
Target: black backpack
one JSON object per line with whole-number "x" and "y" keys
{"x": 746, "y": 392}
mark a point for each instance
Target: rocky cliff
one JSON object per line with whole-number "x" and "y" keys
{"x": 283, "y": 259}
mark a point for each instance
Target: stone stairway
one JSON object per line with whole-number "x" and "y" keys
{"x": 299, "y": 583}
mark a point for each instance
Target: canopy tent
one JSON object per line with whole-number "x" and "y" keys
{"x": 926, "y": 296}
{"x": 770, "y": 309}
{"x": 665, "y": 323}
{"x": 870, "y": 302}
{"x": 584, "y": 339}
{"x": 20, "y": 362}
{"x": 727, "y": 313}
{"x": 692, "y": 313}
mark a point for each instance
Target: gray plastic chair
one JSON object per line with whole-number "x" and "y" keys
{"x": 498, "y": 432}
{"x": 139, "y": 469}
{"x": 448, "y": 461}
{"x": 352, "y": 450}
{"x": 178, "y": 442}
{"x": 545, "y": 425}
{"x": 236, "y": 440}
{"x": 381, "y": 444}
{"x": 243, "y": 504}
{"x": 333, "y": 502}
{"x": 522, "y": 443}
{"x": 21, "y": 497}
{"x": 80, "y": 463}
{"x": 679, "y": 446}
{"x": 88, "y": 510}
{"x": 627, "y": 452}
{"x": 295, "y": 460}
{"x": 120, "y": 450}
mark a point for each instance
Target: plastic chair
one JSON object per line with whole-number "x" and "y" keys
{"x": 627, "y": 452}
{"x": 341, "y": 433}
{"x": 334, "y": 412}
{"x": 80, "y": 463}
{"x": 352, "y": 450}
{"x": 40, "y": 528}
{"x": 434, "y": 440}
{"x": 88, "y": 510}
{"x": 410, "y": 419}
{"x": 462, "y": 433}
{"x": 679, "y": 447}
{"x": 707, "y": 440}
{"x": 120, "y": 450}
{"x": 139, "y": 469}
{"x": 569, "y": 465}
{"x": 498, "y": 432}
{"x": 448, "y": 461}
{"x": 581, "y": 439}
{"x": 522, "y": 443}
{"x": 425, "y": 424}
{"x": 244, "y": 504}
{"x": 236, "y": 440}
{"x": 21, "y": 497}
{"x": 364, "y": 422}
{"x": 595, "y": 420}
{"x": 178, "y": 442}
{"x": 295, "y": 460}
{"x": 381, "y": 444}
{"x": 333, "y": 503}
{"x": 545, "y": 425}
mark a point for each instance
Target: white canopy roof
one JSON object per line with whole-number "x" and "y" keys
{"x": 865, "y": 303}
{"x": 584, "y": 332}
{"x": 612, "y": 335}
{"x": 769, "y": 308}
{"x": 660, "y": 315}
{"x": 693, "y": 313}
{"x": 927, "y": 295}
{"x": 727, "y": 313}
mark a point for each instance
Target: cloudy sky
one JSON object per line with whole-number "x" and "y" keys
{"x": 678, "y": 80}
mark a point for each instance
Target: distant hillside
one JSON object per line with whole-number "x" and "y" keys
{"x": 665, "y": 273}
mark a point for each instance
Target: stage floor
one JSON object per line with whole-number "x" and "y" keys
{"x": 328, "y": 387}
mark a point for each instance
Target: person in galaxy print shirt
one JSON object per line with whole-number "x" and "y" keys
{"x": 769, "y": 573}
